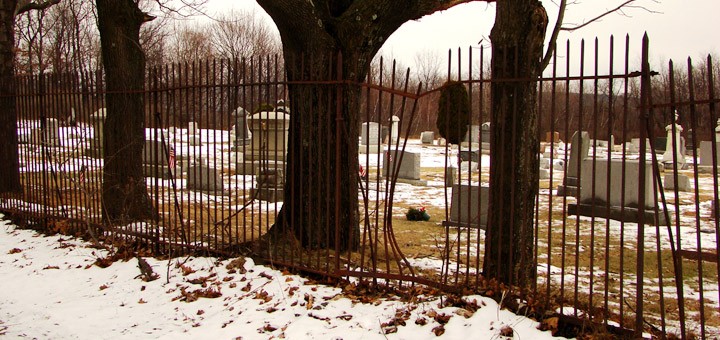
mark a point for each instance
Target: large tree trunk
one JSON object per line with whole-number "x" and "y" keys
{"x": 9, "y": 163}
{"x": 125, "y": 196}
{"x": 317, "y": 203}
{"x": 517, "y": 44}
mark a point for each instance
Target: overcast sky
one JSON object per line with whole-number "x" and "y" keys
{"x": 677, "y": 29}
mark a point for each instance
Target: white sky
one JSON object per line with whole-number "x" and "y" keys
{"x": 679, "y": 29}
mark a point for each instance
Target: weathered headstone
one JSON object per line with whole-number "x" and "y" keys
{"x": 427, "y": 137}
{"x": 552, "y": 137}
{"x": 675, "y": 146}
{"x": 611, "y": 197}
{"x": 473, "y": 134}
{"x": 683, "y": 183}
{"x": 579, "y": 149}
{"x": 370, "y": 139}
{"x": 706, "y": 156}
{"x": 394, "y": 129}
{"x": 240, "y": 129}
{"x": 201, "y": 177}
{"x": 97, "y": 119}
{"x": 409, "y": 167}
{"x": 485, "y": 131}
{"x": 469, "y": 206}
{"x": 269, "y": 184}
{"x": 268, "y": 143}
{"x": 193, "y": 134}
{"x": 155, "y": 159}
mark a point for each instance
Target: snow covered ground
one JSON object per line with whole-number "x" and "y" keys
{"x": 52, "y": 289}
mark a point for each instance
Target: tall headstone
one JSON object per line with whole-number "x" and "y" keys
{"x": 193, "y": 134}
{"x": 394, "y": 129}
{"x": 473, "y": 134}
{"x": 469, "y": 206}
{"x": 674, "y": 147}
{"x": 97, "y": 119}
{"x": 155, "y": 161}
{"x": 240, "y": 129}
{"x": 268, "y": 144}
{"x": 370, "y": 139}
{"x": 48, "y": 136}
{"x": 485, "y": 132}
{"x": 579, "y": 150}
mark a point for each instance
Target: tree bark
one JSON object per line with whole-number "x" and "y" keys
{"x": 125, "y": 197}
{"x": 9, "y": 162}
{"x": 313, "y": 33}
{"x": 517, "y": 45}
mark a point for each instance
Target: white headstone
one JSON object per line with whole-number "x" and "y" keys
{"x": 394, "y": 129}
{"x": 683, "y": 183}
{"x": 674, "y": 138}
{"x": 370, "y": 134}
{"x": 427, "y": 137}
{"x": 409, "y": 168}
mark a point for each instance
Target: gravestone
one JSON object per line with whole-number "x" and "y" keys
{"x": 269, "y": 184}
{"x": 408, "y": 168}
{"x": 473, "y": 134}
{"x": 240, "y": 129}
{"x": 469, "y": 206}
{"x": 268, "y": 143}
{"x": 97, "y": 119}
{"x": 675, "y": 146}
{"x": 202, "y": 177}
{"x": 552, "y": 137}
{"x": 706, "y": 156}
{"x": 683, "y": 183}
{"x": 427, "y": 137}
{"x": 50, "y": 136}
{"x": 193, "y": 134}
{"x": 155, "y": 162}
{"x": 579, "y": 150}
{"x": 595, "y": 198}
{"x": 370, "y": 139}
{"x": 394, "y": 129}
{"x": 485, "y": 133}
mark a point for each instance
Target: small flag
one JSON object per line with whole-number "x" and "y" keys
{"x": 171, "y": 160}
{"x": 81, "y": 177}
{"x": 362, "y": 172}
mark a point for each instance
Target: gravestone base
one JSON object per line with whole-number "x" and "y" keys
{"x": 706, "y": 169}
{"x": 156, "y": 171}
{"x": 240, "y": 145}
{"x": 683, "y": 183}
{"x": 415, "y": 182}
{"x": 369, "y": 149}
{"x": 206, "y": 179}
{"x": 247, "y": 167}
{"x": 622, "y": 214}
{"x": 271, "y": 195}
{"x": 569, "y": 187}
{"x": 670, "y": 166}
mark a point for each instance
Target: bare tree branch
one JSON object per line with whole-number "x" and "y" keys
{"x": 553, "y": 38}
{"x": 619, "y": 8}
{"x": 27, "y": 5}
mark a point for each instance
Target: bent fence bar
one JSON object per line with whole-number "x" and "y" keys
{"x": 626, "y": 219}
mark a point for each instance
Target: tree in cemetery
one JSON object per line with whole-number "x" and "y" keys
{"x": 9, "y": 162}
{"x": 517, "y": 46}
{"x": 125, "y": 197}
{"x": 312, "y": 34}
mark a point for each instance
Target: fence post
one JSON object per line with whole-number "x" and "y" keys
{"x": 644, "y": 114}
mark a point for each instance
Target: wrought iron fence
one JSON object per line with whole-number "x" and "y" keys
{"x": 626, "y": 218}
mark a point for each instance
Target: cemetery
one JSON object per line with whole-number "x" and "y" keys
{"x": 612, "y": 210}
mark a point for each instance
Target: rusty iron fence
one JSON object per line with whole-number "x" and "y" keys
{"x": 626, "y": 219}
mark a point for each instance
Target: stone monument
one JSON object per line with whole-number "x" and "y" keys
{"x": 97, "y": 119}
{"x": 674, "y": 147}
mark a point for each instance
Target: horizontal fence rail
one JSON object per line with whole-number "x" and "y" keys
{"x": 626, "y": 220}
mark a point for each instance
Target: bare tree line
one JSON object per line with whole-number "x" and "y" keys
{"x": 65, "y": 38}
